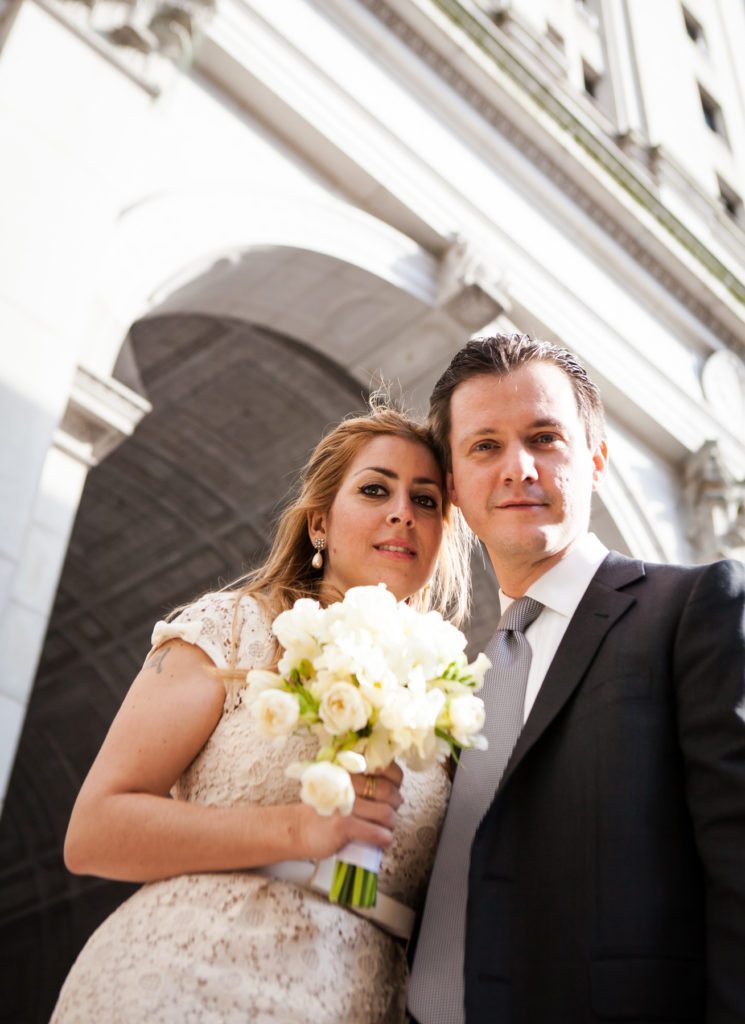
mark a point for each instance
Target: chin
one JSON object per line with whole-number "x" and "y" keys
{"x": 402, "y": 589}
{"x": 535, "y": 542}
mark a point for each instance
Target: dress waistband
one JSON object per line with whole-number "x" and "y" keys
{"x": 389, "y": 914}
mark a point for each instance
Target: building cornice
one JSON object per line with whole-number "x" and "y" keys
{"x": 653, "y": 235}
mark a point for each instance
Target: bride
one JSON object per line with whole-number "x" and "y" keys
{"x": 187, "y": 797}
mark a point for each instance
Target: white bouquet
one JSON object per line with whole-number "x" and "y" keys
{"x": 375, "y": 681}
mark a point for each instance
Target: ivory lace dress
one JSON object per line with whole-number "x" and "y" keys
{"x": 240, "y": 946}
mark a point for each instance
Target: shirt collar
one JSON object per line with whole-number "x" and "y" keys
{"x": 562, "y": 587}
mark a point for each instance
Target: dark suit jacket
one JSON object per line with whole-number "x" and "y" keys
{"x": 607, "y": 881}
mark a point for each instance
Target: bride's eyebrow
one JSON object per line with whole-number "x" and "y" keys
{"x": 394, "y": 476}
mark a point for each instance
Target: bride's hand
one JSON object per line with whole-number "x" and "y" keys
{"x": 372, "y": 820}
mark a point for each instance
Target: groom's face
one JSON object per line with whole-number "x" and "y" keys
{"x": 522, "y": 470}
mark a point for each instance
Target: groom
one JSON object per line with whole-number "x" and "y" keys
{"x": 600, "y": 844}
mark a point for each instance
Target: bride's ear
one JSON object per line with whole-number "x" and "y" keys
{"x": 316, "y": 525}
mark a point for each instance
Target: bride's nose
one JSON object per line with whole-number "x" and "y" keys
{"x": 404, "y": 514}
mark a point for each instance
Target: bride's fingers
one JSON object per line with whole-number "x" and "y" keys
{"x": 360, "y": 830}
{"x": 393, "y": 773}
{"x": 375, "y": 810}
{"x": 378, "y": 788}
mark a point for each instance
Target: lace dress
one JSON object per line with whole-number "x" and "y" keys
{"x": 240, "y": 946}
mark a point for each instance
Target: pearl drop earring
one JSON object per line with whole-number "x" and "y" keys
{"x": 317, "y": 559}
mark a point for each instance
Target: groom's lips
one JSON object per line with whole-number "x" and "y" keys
{"x": 522, "y": 504}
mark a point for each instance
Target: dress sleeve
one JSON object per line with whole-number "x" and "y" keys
{"x": 212, "y": 623}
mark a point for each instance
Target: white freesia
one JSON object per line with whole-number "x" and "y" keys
{"x": 299, "y": 631}
{"x": 352, "y": 761}
{"x": 467, "y": 718}
{"x": 260, "y": 679}
{"x": 276, "y": 713}
{"x": 478, "y": 670}
{"x": 410, "y": 718}
{"x": 343, "y": 709}
{"x": 328, "y": 788}
{"x": 379, "y": 749}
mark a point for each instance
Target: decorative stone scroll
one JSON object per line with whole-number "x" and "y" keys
{"x": 100, "y": 414}
{"x": 470, "y": 290}
{"x": 715, "y": 505}
{"x": 154, "y": 28}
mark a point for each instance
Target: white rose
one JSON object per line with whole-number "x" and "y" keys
{"x": 327, "y": 788}
{"x": 353, "y": 762}
{"x": 342, "y": 709}
{"x": 276, "y": 713}
{"x": 466, "y": 718}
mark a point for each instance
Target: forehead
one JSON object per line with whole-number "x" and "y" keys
{"x": 399, "y": 454}
{"x": 535, "y": 391}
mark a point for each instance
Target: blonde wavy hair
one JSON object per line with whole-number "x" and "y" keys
{"x": 287, "y": 573}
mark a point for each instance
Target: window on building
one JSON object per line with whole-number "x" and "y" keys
{"x": 555, "y": 37}
{"x": 712, "y": 113}
{"x": 591, "y": 80}
{"x": 730, "y": 200}
{"x": 587, "y": 8}
{"x": 694, "y": 29}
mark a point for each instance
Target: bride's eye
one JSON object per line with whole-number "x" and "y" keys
{"x": 427, "y": 501}
{"x": 373, "y": 490}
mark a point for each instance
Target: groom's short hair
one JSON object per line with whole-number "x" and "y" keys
{"x": 500, "y": 354}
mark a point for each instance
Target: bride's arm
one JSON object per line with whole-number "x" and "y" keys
{"x": 125, "y": 826}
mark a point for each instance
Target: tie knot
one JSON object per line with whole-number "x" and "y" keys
{"x": 519, "y": 615}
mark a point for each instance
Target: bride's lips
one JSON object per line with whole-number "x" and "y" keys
{"x": 395, "y": 549}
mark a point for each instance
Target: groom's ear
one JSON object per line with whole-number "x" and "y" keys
{"x": 600, "y": 464}
{"x": 450, "y": 488}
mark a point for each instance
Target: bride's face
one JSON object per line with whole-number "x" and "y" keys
{"x": 385, "y": 524}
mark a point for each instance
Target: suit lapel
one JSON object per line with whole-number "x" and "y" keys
{"x": 600, "y": 608}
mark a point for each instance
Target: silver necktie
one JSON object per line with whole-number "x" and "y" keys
{"x": 436, "y": 986}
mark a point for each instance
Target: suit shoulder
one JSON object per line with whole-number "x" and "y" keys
{"x": 725, "y": 578}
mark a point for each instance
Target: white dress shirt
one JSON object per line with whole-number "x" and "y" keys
{"x": 560, "y": 590}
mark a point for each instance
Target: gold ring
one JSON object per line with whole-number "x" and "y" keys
{"x": 368, "y": 790}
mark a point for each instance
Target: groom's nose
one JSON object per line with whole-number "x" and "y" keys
{"x": 518, "y": 464}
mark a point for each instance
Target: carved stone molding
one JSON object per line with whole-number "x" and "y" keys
{"x": 723, "y": 382}
{"x": 100, "y": 414}
{"x": 715, "y": 505}
{"x": 470, "y": 290}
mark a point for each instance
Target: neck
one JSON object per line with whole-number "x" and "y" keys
{"x": 516, "y": 575}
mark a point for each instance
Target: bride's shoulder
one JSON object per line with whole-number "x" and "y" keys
{"x": 236, "y": 612}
